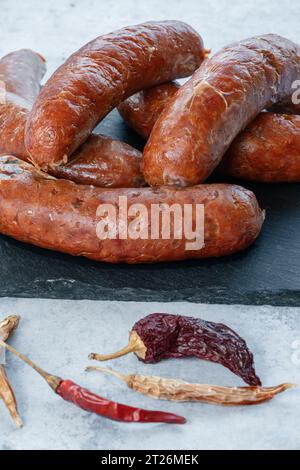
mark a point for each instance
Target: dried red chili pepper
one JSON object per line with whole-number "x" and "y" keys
{"x": 88, "y": 401}
{"x": 162, "y": 336}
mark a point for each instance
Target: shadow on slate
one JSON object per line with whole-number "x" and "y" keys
{"x": 267, "y": 273}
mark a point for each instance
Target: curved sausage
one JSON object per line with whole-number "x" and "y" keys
{"x": 21, "y": 73}
{"x": 204, "y": 117}
{"x": 61, "y": 215}
{"x": 100, "y": 161}
{"x": 267, "y": 151}
{"x": 101, "y": 75}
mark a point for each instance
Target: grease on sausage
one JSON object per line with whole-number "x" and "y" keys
{"x": 61, "y": 215}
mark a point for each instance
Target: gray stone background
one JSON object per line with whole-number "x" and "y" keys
{"x": 60, "y": 334}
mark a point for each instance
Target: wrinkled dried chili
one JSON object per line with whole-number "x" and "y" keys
{"x": 88, "y": 401}
{"x": 178, "y": 390}
{"x": 162, "y": 336}
{"x": 7, "y": 326}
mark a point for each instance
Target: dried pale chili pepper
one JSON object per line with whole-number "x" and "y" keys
{"x": 162, "y": 336}
{"x": 88, "y": 401}
{"x": 7, "y": 326}
{"x": 178, "y": 390}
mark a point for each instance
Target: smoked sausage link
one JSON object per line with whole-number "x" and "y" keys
{"x": 61, "y": 215}
{"x": 267, "y": 151}
{"x": 100, "y": 76}
{"x": 100, "y": 161}
{"x": 21, "y": 73}
{"x": 227, "y": 92}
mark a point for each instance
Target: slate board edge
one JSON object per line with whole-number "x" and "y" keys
{"x": 66, "y": 290}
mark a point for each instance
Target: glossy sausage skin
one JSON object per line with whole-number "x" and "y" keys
{"x": 267, "y": 151}
{"x": 20, "y": 75}
{"x": 61, "y": 215}
{"x": 142, "y": 110}
{"x": 197, "y": 127}
{"x": 99, "y": 77}
{"x": 101, "y": 161}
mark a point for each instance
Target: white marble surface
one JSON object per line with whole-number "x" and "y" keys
{"x": 58, "y": 28}
{"x": 59, "y": 335}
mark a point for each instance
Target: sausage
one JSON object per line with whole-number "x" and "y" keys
{"x": 100, "y": 161}
{"x": 103, "y": 162}
{"x": 61, "y": 215}
{"x": 20, "y": 75}
{"x": 100, "y": 76}
{"x": 142, "y": 110}
{"x": 201, "y": 121}
{"x": 267, "y": 151}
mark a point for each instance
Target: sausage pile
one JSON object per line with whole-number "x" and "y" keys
{"x": 55, "y": 173}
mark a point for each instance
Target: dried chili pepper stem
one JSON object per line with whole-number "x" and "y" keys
{"x": 52, "y": 380}
{"x": 7, "y": 326}
{"x": 177, "y": 390}
{"x": 135, "y": 345}
{"x": 88, "y": 401}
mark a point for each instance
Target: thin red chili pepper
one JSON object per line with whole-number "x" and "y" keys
{"x": 88, "y": 401}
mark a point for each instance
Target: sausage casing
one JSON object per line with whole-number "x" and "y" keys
{"x": 142, "y": 110}
{"x": 61, "y": 215}
{"x": 101, "y": 160}
{"x": 267, "y": 151}
{"x": 100, "y": 76}
{"x": 227, "y": 92}
{"x": 21, "y": 73}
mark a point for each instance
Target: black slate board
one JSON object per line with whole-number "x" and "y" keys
{"x": 267, "y": 273}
